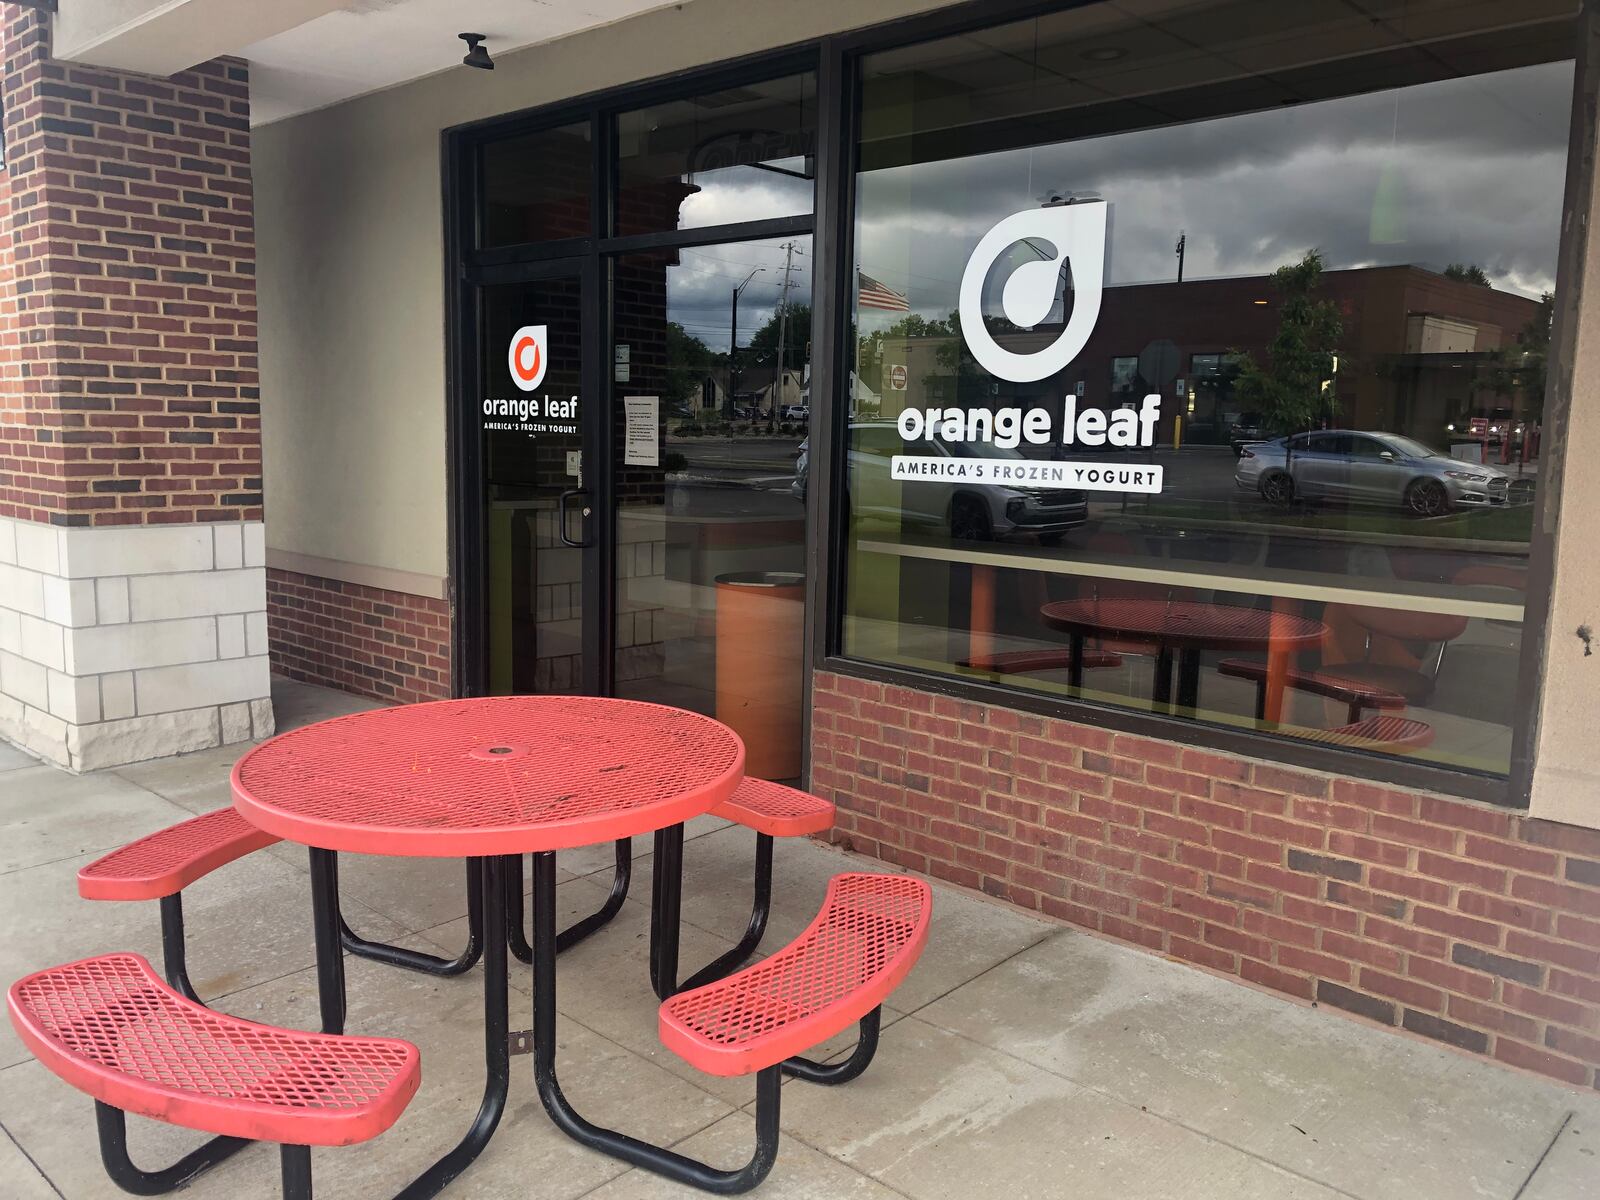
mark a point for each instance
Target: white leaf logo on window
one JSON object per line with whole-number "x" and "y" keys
{"x": 1075, "y": 234}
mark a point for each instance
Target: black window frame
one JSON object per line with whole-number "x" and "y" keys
{"x": 835, "y": 59}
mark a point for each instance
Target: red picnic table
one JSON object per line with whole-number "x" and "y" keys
{"x": 1185, "y": 627}
{"x": 489, "y": 780}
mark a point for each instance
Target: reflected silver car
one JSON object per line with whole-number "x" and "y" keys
{"x": 1358, "y": 467}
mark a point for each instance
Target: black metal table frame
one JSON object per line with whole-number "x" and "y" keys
{"x": 1161, "y": 693}
{"x": 494, "y": 941}
{"x": 495, "y": 878}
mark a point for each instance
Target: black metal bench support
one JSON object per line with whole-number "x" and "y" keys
{"x": 760, "y": 912}
{"x": 417, "y": 960}
{"x": 659, "y": 1159}
{"x": 833, "y": 1074}
{"x": 112, "y": 1126}
{"x": 516, "y": 930}
{"x": 174, "y": 957}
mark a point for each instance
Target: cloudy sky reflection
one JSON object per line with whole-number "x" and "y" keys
{"x": 1461, "y": 170}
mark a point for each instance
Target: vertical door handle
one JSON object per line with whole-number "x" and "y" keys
{"x": 561, "y": 519}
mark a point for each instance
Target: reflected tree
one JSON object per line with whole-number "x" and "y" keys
{"x": 1467, "y": 273}
{"x": 689, "y": 363}
{"x": 1524, "y": 366}
{"x": 1292, "y": 391}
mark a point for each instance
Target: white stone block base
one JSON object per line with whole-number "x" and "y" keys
{"x": 126, "y": 643}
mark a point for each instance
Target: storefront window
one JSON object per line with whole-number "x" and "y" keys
{"x": 745, "y": 153}
{"x": 1200, "y": 362}
{"x": 536, "y": 186}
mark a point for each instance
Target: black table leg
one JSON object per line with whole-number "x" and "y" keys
{"x": 619, "y": 1145}
{"x": 1162, "y": 693}
{"x": 666, "y": 902}
{"x": 1189, "y": 678}
{"x": 496, "y": 1048}
{"x": 326, "y": 925}
{"x": 1075, "y": 660}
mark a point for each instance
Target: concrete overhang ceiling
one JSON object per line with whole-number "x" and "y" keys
{"x": 308, "y": 54}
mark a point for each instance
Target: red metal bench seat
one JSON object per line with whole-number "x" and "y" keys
{"x": 1377, "y": 733}
{"x": 169, "y": 860}
{"x": 859, "y": 948}
{"x": 160, "y": 865}
{"x": 776, "y": 810}
{"x": 1331, "y": 682}
{"x": 110, "y": 1027}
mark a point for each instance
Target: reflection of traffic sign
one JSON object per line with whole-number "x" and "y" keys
{"x": 1158, "y": 364}
{"x": 897, "y": 377}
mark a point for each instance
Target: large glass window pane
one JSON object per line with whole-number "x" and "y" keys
{"x": 742, "y": 154}
{"x": 1200, "y": 361}
{"x": 712, "y": 399}
{"x": 537, "y": 186}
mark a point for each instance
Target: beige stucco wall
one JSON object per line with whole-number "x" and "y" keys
{"x": 351, "y": 261}
{"x": 1566, "y": 777}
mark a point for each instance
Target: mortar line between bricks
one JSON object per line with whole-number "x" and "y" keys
{"x": 1129, "y": 1104}
{"x": 1554, "y": 1138}
{"x": 50, "y": 1183}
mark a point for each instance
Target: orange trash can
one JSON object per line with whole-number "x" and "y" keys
{"x": 760, "y": 635}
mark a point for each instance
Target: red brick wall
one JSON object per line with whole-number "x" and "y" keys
{"x": 387, "y": 645}
{"x": 133, "y": 246}
{"x": 12, "y": 423}
{"x": 1459, "y": 921}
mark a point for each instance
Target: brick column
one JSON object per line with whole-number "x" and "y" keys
{"x": 132, "y": 561}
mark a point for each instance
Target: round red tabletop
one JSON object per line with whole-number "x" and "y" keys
{"x": 1185, "y": 623}
{"x": 504, "y": 775}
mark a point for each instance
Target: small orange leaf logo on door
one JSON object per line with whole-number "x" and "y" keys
{"x": 530, "y": 352}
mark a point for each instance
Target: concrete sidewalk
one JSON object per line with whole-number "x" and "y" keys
{"x": 1021, "y": 1058}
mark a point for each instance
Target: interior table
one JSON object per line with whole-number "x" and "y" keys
{"x": 1185, "y": 628}
{"x": 489, "y": 780}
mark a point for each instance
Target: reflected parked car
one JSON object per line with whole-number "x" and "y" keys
{"x": 1246, "y": 431}
{"x": 1367, "y": 468}
{"x": 795, "y": 412}
{"x": 968, "y": 511}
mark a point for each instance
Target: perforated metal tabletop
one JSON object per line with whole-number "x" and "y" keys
{"x": 502, "y": 775}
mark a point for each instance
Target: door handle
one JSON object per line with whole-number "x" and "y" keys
{"x": 561, "y": 519}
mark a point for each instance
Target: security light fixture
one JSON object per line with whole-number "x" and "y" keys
{"x": 476, "y": 55}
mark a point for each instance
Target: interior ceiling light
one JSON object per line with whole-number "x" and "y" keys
{"x": 1104, "y": 54}
{"x": 476, "y": 56}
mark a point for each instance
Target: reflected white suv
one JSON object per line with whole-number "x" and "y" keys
{"x": 973, "y": 512}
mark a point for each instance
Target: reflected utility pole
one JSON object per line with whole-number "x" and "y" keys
{"x": 783, "y": 332}
{"x": 1183, "y": 241}
{"x": 733, "y": 343}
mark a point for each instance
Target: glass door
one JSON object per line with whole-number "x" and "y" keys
{"x": 711, "y": 403}
{"x": 539, "y": 525}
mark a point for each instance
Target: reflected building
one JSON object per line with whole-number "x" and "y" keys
{"x": 1421, "y": 354}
